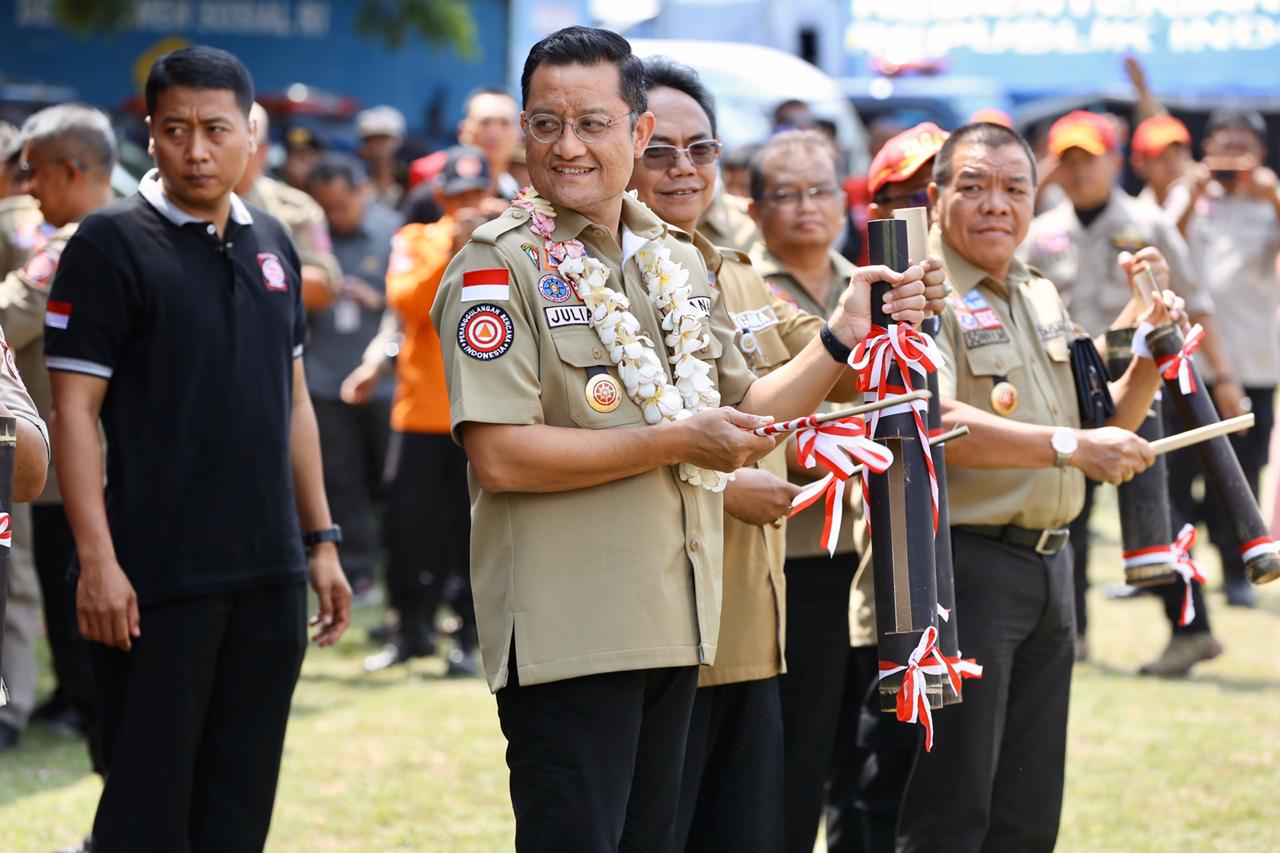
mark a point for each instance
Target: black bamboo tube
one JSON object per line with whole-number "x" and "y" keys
{"x": 1144, "y": 501}
{"x": 1222, "y": 471}
{"x": 901, "y": 508}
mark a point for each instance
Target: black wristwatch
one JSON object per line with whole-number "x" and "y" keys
{"x": 838, "y": 350}
{"x": 329, "y": 534}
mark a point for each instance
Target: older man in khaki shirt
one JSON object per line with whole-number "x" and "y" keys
{"x": 993, "y": 780}
{"x": 596, "y": 548}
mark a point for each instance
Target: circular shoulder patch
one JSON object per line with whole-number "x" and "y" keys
{"x": 40, "y": 268}
{"x": 485, "y": 332}
{"x": 553, "y": 288}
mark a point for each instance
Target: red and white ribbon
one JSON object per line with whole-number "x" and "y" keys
{"x": 835, "y": 445}
{"x": 6, "y": 531}
{"x": 911, "y": 351}
{"x": 787, "y": 426}
{"x": 1179, "y": 364}
{"x": 912, "y": 700}
{"x": 1152, "y": 556}
{"x": 1187, "y": 569}
{"x": 1255, "y": 548}
{"x": 967, "y": 667}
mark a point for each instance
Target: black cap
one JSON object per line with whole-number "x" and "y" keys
{"x": 298, "y": 136}
{"x": 1250, "y": 120}
{"x": 466, "y": 169}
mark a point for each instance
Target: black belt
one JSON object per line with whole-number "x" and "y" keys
{"x": 1048, "y": 542}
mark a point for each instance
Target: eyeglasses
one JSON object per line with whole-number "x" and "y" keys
{"x": 546, "y": 128}
{"x": 663, "y": 157}
{"x": 919, "y": 198}
{"x": 27, "y": 171}
{"x": 789, "y": 197}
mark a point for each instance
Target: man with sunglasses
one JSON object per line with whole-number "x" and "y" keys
{"x": 596, "y": 550}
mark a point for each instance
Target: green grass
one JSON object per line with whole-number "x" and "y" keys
{"x": 412, "y": 761}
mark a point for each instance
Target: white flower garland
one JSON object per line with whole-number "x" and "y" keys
{"x": 638, "y": 365}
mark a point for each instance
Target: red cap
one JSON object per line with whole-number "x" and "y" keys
{"x": 1157, "y": 133}
{"x": 903, "y": 155}
{"x": 1088, "y": 131}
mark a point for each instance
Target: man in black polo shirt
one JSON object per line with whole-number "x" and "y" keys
{"x": 176, "y": 316}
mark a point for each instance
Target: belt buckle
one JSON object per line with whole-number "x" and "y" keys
{"x": 1052, "y": 540}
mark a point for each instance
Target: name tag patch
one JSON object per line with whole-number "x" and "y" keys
{"x": 754, "y": 319}
{"x": 568, "y": 315}
{"x": 702, "y": 303}
{"x": 273, "y": 277}
{"x": 485, "y": 332}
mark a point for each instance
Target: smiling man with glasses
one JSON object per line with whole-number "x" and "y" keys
{"x": 566, "y": 325}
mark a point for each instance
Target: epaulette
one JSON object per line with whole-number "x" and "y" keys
{"x": 511, "y": 219}
{"x": 734, "y": 255}
{"x": 1036, "y": 271}
{"x": 680, "y": 233}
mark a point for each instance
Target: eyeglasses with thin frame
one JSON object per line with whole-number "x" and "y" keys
{"x": 791, "y": 197}
{"x": 27, "y": 171}
{"x": 663, "y": 157}
{"x": 547, "y": 128}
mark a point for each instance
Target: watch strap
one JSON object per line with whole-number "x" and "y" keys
{"x": 838, "y": 350}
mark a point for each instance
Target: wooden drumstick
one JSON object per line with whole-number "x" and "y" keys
{"x": 1204, "y": 433}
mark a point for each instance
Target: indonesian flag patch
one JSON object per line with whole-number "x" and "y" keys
{"x": 57, "y": 314}
{"x": 272, "y": 271}
{"x": 486, "y": 285}
{"x": 485, "y": 332}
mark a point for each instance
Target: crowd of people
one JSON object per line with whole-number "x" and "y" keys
{"x": 537, "y": 408}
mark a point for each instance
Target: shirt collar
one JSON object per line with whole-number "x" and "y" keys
{"x": 963, "y": 275}
{"x": 768, "y": 264}
{"x": 637, "y": 219}
{"x": 151, "y": 189}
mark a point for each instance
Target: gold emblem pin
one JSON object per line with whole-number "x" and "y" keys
{"x": 1004, "y": 399}
{"x": 603, "y": 394}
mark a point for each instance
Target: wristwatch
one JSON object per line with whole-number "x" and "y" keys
{"x": 329, "y": 534}
{"x": 834, "y": 345}
{"x": 1064, "y": 443}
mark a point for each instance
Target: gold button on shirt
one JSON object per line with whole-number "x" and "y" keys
{"x": 768, "y": 332}
{"x": 804, "y": 532}
{"x": 620, "y": 576}
{"x": 1016, "y": 331}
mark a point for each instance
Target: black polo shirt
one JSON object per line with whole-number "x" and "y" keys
{"x": 197, "y": 338}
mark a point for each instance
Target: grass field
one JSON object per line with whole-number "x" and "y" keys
{"x": 411, "y": 761}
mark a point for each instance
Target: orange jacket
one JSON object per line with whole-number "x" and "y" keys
{"x": 419, "y": 255}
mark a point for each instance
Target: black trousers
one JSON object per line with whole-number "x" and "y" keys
{"x": 1170, "y": 595}
{"x": 353, "y": 446}
{"x": 193, "y": 721}
{"x": 873, "y": 758}
{"x": 813, "y": 688}
{"x": 428, "y": 530}
{"x": 1251, "y": 449}
{"x": 731, "y": 790}
{"x": 596, "y": 761}
{"x": 53, "y": 547}
{"x": 994, "y": 778}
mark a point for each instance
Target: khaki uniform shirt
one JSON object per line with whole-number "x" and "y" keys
{"x": 726, "y": 223}
{"x": 804, "y": 532}
{"x": 1081, "y": 260}
{"x": 620, "y": 576}
{"x": 1016, "y": 331}
{"x": 1234, "y": 242}
{"x": 768, "y": 332}
{"x": 303, "y": 218}
{"x": 24, "y": 294}
{"x": 22, "y": 231}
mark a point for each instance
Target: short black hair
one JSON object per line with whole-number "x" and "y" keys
{"x": 985, "y": 133}
{"x": 1250, "y": 120}
{"x": 796, "y": 138}
{"x": 589, "y": 46}
{"x": 200, "y": 67}
{"x": 334, "y": 165}
{"x": 665, "y": 71}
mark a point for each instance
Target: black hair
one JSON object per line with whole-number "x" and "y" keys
{"x": 665, "y": 71}
{"x": 1250, "y": 120}
{"x": 985, "y": 133}
{"x": 786, "y": 139}
{"x": 589, "y": 46}
{"x": 333, "y": 166}
{"x": 200, "y": 67}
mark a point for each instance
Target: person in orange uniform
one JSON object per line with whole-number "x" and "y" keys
{"x": 428, "y": 512}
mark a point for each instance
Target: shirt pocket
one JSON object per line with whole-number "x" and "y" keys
{"x": 989, "y": 365}
{"x": 582, "y": 358}
{"x": 766, "y": 353}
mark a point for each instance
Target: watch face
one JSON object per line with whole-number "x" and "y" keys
{"x": 1064, "y": 441}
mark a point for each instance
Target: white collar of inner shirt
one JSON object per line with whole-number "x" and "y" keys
{"x": 152, "y": 190}
{"x": 631, "y": 243}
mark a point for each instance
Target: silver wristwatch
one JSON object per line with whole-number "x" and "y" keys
{"x": 1064, "y": 443}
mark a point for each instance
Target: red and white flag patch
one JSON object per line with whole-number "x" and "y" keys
{"x": 272, "y": 271}
{"x": 57, "y": 314}
{"x": 486, "y": 285}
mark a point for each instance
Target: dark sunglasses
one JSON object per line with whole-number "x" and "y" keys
{"x": 702, "y": 153}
